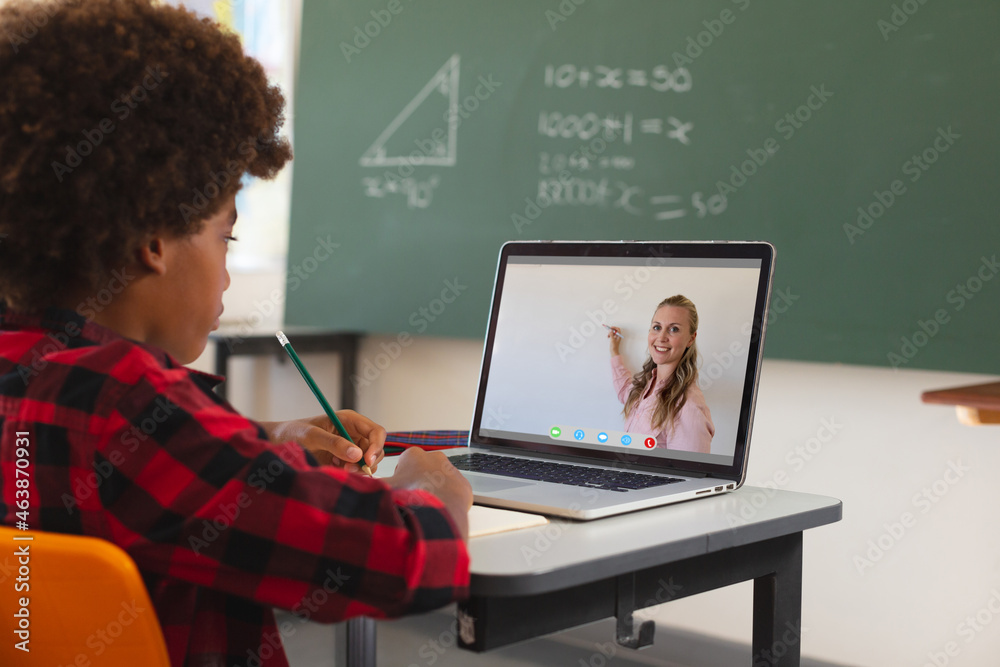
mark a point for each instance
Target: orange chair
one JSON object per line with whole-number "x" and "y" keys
{"x": 86, "y": 604}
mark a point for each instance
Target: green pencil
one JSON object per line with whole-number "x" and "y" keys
{"x": 283, "y": 339}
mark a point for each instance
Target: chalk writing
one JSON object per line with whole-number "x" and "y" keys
{"x": 442, "y": 89}
{"x": 418, "y": 193}
{"x": 554, "y": 163}
{"x": 619, "y": 195}
{"x": 660, "y": 79}
{"x": 585, "y": 127}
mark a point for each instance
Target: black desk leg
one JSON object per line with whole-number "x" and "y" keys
{"x": 222, "y": 354}
{"x": 777, "y": 607}
{"x": 348, "y": 369}
{"x": 361, "y": 642}
{"x": 627, "y": 634}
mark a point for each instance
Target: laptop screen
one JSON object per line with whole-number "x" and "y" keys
{"x": 677, "y": 388}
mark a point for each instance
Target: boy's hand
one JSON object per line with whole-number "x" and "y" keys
{"x": 433, "y": 472}
{"x": 319, "y": 436}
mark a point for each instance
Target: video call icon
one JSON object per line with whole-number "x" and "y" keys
{"x": 592, "y": 436}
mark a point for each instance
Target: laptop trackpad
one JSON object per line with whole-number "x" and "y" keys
{"x": 490, "y": 484}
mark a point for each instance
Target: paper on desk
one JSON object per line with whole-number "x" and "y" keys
{"x": 489, "y": 520}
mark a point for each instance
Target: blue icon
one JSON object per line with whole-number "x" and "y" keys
{"x": 626, "y": 440}
{"x": 602, "y": 437}
{"x": 578, "y": 434}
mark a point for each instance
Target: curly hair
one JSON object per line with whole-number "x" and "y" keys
{"x": 119, "y": 119}
{"x": 673, "y": 396}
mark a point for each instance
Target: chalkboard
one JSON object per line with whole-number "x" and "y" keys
{"x": 858, "y": 137}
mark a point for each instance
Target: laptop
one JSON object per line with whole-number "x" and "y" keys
{"x": 549, "y": 434}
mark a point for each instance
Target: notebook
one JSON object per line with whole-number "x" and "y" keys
{"x": 549, "y": 433}
{"x": 491, "y": 520}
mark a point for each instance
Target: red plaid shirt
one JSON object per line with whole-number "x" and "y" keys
{"x": 129, "y": 446}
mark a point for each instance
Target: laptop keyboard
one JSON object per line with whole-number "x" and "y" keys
{"x": 560, "y": 473}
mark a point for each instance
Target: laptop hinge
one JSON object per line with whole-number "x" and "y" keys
{"x": 674, "y": 471}
{"x": 667, "y": 470}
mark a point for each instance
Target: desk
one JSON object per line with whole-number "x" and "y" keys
{"x": 537, "y": 581}
{"x": 975, "y": 404}
{"x": 232, "y": 342}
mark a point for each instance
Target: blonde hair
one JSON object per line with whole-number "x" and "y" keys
{"x": 673, "y": 396}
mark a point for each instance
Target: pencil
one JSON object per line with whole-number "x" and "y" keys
{"x": 283, "y": 339}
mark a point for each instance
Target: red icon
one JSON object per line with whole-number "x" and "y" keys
{"x": 650, "y": 443}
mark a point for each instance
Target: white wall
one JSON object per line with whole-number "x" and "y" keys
{"x": 855, "y": 433}
{"x": 877, "y": 592}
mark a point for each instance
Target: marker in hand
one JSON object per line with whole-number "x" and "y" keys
{"x": 617, "y": 335}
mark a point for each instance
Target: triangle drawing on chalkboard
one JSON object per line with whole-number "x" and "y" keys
{"x": 431, "y": 148}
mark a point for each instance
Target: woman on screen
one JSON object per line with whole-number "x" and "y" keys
{"x": 663, "y": 399}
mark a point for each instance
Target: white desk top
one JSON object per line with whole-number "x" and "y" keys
{"x": 565, "y": 553}
{"x": 573, "y": 552}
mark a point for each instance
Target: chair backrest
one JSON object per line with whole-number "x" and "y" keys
{"x": 76, "y": 601}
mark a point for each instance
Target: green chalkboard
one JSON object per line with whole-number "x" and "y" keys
{"x": 859, "y": 137}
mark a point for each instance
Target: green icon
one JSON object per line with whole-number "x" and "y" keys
{"x": 556, "y": 431}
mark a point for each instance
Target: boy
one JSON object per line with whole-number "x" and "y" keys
{"x": 125, "y": 129}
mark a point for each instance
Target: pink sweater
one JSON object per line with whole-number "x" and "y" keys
{"x": 693, "y": 428}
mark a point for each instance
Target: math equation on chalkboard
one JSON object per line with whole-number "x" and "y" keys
{"x": 595, "y": 165}
{"x": 585, "y": 157}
